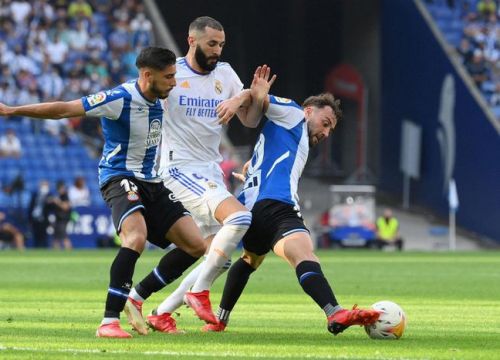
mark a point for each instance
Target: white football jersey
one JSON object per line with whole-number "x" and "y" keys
{"x": 191, "y": 133}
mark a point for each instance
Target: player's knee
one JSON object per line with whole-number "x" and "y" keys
{"x": 134, "y": 238}
{"x": 239, "y": 221}
{"x": 252, "y": 259}
{"x": 196, "y": 248}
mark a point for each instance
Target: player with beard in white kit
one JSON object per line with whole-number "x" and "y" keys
{"x": 190, "y": 160}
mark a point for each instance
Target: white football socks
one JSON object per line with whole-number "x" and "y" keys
{"x": 223, "y": 245}
{"x": 175, "y": 300}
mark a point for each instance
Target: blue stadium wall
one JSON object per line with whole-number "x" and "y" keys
{"x": 414, "y": 68}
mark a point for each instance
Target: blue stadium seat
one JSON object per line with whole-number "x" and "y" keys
{"x": 453, "y": 38}
{"x": 496, "y": 111}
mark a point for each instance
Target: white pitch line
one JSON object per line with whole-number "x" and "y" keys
{"x": 173, "y": 353}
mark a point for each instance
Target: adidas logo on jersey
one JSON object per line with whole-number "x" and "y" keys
{"x": 185, "y": 84}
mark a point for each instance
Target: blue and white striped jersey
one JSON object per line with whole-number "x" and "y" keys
{"x": 132, "y": 132}
{"x": 279, "y": 156}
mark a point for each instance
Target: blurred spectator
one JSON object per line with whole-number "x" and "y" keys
{"x": 465, "y": 50}
{"x": 495, "y": 98}
{"x": 8, "y": 94}
{"x": 25, "y": 80}
{"x": 57, "y": 52}
{"x": 20, "y": 62}
{"x": 80, "y": 9}
{"x": 477, "y": 68}
{"x": 29, "y": 95}
{"x": 55, "y": 128}
{"x": 38, "y": 214}
{"x": 97, "y": 70}
{"x": 388, "y": 231}
{"x": 485, "y": 8}
{"x": 10, "y": 146}
{"x": 62, "y": 211}
{"x": 50, "y": 83}
{"x": 120, "y": 38}
{"x": 97, "y": 42}
{"x": 9, "y": 234}
{"x": 20, "y": 10}
{"x": 78, "y": 37}
{"x": 79, "y": 194}
{"x": 43, "y": 10}
{"x": 141, "y": 29}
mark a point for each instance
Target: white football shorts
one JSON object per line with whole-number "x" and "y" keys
{"x": 201, "y": 189}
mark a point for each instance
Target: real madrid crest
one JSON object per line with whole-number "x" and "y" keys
{"x": 212, "y": 185}
{"x": 218, "y": 87}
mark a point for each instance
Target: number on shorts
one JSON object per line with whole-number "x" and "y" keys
{"x": 128, "y": 185}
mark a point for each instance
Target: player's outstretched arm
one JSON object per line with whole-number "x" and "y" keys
{"x": 260, "y": 96}
{"x": 49, "y": 110}
{"x": 228, "y": 108}
{"x": 249, "y": 104}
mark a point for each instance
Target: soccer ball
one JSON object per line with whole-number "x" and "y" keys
{"x": 391, "y": 323}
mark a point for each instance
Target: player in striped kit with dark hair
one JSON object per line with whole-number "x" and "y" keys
{"x": 142, "y": 207}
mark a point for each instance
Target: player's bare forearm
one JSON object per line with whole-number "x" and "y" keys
{"x": 244, "y": 98}
{"x": 253, "y": 114}
{"x": 50, "y": 110}
{"x": 262, "y": 82}
{"x": 235, "y": 105}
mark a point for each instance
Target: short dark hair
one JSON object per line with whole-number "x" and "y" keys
{"x": 200, "y": 23}
{"x": 60, "y": 183}
{"x": 322, "y": 100}
{"x": 155, "y": 57}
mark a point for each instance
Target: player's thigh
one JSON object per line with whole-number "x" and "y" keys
{"x": 295, "y": 248}
{"x": 203, "y": 192}
{"x": 168, "y": 222}
{"x": 197, "y": 197}
{"x": 228, "y": 206}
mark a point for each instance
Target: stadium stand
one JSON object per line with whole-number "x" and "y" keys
{"x": 472, "y": 27}
{"x": 62, "y": 50}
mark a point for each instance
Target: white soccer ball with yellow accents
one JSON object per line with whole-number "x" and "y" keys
{"x": 391, "y": 323}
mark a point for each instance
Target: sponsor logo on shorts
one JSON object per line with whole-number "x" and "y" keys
{"x": 132, "y": 196}
{"x": 95, "y": 99}
{"x": 172, "y": 197}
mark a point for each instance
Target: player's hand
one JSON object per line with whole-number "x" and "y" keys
{"x": 5, "y": 110}
{"x": 241, "y": 176}
{"x": 226, "y": 110}
{"x": 261, "y": 82}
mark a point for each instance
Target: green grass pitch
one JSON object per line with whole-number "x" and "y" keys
{"x": 51, "y": 303}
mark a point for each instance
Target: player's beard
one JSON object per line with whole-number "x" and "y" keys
{"x": 310, "y": 136}
{"x": 202, "y": 59}
{"x": 156, "y": 92}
